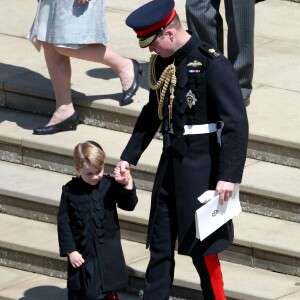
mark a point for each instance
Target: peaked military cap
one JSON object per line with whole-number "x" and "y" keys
{"x": 151, "y": 18}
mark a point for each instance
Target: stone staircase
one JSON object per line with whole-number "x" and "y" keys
{"x": 35, "y": 167}
{"x": 264, "y": 260}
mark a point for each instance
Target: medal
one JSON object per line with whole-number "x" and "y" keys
{"x": 190, "y": 99}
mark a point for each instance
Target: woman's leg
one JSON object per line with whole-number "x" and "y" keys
{"x": 59, "y": 69}
{"x": 99, "y": 53}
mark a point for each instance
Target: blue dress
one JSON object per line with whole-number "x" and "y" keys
{"x": 68, "y": 24}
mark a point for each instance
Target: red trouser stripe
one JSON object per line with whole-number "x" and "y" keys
{"x": 112, "y": 296}
{"x": 215, "y": 274}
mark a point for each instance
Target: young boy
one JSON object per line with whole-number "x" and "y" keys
{"x": 88, "y": 226}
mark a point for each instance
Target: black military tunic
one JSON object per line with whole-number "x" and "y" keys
{"x": 207, "y": 91}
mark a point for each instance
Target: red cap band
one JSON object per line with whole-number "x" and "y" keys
{"x": 144, "y": 32}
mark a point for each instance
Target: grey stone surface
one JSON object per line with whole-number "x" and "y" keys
{"x": 269, "y": 248}
{"x": 267, "y": 188}
{"x": 2, "y": 99}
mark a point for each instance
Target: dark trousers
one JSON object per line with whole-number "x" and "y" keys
{"x": 204, "y": 19}
{"x": 160, "y": 271}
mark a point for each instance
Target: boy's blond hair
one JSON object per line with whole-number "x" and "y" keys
{"x": 89, "y": 152}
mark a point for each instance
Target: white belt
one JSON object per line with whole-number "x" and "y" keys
{"x": 205, "y": 128}
{"x": 200, "y": 129}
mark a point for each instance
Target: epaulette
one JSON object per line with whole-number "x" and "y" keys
{"x": 210, "y": 51}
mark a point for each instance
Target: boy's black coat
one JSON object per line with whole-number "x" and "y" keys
{"x": 88, "y": 223}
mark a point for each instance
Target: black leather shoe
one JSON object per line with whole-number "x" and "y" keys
{"x": 65, "y": 125}
{"x": 128, "y": 94}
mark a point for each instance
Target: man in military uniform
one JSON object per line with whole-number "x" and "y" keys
{"x": 196, "y": 100}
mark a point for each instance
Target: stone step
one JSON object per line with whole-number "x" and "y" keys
{"x": 263, "y": 145}
{"x": 25, "y": 84}
{"x": 34, "y": 249}
{"x": 268, "y": 189}
{"x": 271, "y": 248}
{"x": 54, "y": 152}
{"x": 16, "y": 284}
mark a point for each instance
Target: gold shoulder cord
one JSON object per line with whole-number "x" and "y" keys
{"x": 167, "y": 79}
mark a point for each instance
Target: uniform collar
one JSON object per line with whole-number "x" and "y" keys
{"x": 183, "y": 52}
{"x": 180, "y": 57}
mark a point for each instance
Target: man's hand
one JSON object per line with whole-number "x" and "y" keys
{"x": 224, "y": 189}
{"x": 76, "y": 259}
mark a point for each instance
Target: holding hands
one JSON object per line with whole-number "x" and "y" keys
{"x": 122, "y": 174}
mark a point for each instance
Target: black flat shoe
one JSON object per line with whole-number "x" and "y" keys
{"x": 128, "y": 94}
{"x": 65, "y": 125}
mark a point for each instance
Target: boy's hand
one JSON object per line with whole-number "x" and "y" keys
{"x": 122, "y": 174}
{"x": 76, "y": 259}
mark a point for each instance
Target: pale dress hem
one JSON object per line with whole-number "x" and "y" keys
{"x": 64, "y": 31}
